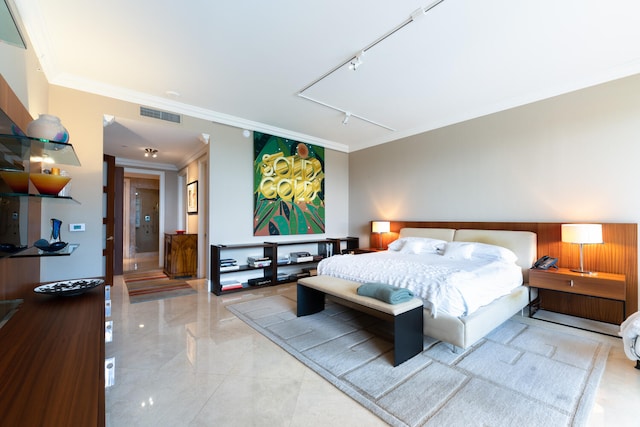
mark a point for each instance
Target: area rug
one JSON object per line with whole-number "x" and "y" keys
{"x": 137, "y": 276}
{"x": 524, "y": 373}
{"x": 156, "y": 289}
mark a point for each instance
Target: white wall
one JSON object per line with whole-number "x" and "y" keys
{"x": 231, "y": 203}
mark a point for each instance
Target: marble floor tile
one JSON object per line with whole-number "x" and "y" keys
{"x": 188, "y": 361}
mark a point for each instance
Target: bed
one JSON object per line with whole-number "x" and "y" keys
{"x": 462, "y": 302}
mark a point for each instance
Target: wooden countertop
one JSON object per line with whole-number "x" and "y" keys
{"x": 52, "y": 361}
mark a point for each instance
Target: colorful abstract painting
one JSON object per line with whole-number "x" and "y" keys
{"x": 288, "y": 186}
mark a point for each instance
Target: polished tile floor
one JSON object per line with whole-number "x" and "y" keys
{"x": 188, "y": 361}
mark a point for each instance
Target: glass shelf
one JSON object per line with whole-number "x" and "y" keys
{"x": 35, "y": 252}
{"x": 17, "y": 155}
{"x": 45, "y": 196}
{"x": 17, "y": 149}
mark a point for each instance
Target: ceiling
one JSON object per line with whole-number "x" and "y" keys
{"x": 256, "y": 65}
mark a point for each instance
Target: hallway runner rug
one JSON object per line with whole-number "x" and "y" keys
{"x": 524, "y": 373}
{"x": 137, "y": 276}
{"x": 153, "y": 288}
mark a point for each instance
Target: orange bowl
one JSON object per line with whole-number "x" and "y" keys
{"x": 49, "y": 184}
{"x": 18, "y": 181}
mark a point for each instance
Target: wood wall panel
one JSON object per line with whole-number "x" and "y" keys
{"x": 18, "y": 276}
{"x": 11, "y": 105}
{"x": 618, "y": 254}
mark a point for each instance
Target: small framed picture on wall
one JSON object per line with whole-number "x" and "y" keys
{"x": 192, "y": 198}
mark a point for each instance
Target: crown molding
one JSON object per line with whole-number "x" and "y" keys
{"x": 97, "y": 88}
{"x": 120, "y": 161}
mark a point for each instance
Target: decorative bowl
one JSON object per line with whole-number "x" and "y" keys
{"x": 18, "y": 181}
{"x": 68, "y": 287}
{"x": 43, "y": 245}
{"x": 49, "y": 184}
{"x": 180, "y": 231}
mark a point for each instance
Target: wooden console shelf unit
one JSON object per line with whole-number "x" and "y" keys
{"x": 270, "y": 250}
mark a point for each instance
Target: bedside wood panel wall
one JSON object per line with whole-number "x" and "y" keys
{"x": 618, "y": 254}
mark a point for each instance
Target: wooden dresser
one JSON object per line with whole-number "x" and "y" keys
{"x": 52, "y": 361}
{"x": 180, "y": 255}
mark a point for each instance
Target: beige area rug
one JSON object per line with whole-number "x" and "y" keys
{"x": 153, "y": 286}
{"x": 525, "y": 373}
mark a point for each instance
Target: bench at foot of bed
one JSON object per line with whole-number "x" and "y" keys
{"x": 406, "y": 317}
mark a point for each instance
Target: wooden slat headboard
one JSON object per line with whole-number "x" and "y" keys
{"x": 618, "y": 254}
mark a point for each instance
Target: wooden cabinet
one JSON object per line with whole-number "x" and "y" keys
{"x": 598, "y": 296}
{"x": 181, "y": 255}
{"x": 52, "y": 361}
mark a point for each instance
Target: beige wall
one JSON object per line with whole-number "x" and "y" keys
{"x": 571, "y": 158}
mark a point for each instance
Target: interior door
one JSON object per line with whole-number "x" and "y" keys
{"x": 108, "y": 219}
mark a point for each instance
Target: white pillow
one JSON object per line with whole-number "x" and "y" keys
{"x": 493, "y": 253}
{"x": 459, "y": 250}
{"x": 469, "y": 250}
{"x": 396, "y": 245}
{"x": 417, "y": 245}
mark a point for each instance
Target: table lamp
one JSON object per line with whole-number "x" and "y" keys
{"x": 380, "y": 227}
{"x": 582, "y": 234}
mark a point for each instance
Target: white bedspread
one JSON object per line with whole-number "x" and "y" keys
{"x": 457, "y": 287}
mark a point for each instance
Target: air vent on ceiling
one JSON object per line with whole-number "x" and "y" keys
{"x": 157, "y": 114}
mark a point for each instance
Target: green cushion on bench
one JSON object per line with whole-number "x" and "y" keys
{"x": 383, "y": 292}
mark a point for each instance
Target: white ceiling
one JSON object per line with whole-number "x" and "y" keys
{"x": 245, "y": 62}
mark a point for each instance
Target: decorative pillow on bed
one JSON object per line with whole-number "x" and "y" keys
{"x": 459, "y": 250}
{"x": 469, "y": 250}
{"x": 417, "y": 245}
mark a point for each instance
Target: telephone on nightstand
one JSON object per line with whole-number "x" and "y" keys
{"x": 545, "y": 263}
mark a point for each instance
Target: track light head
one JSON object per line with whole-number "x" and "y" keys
{"x": 356, "y": 61}
{"x": 347, "y": 116}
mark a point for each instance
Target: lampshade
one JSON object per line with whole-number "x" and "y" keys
{"x": 582, "y": 233}
{"x": 380, "y": 226}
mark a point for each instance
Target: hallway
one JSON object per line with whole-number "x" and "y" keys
{"x": 143, "y": 261}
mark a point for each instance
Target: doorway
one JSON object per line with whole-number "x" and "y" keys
{"x": 146, "y": 220}
{"x": 141, "y": 234}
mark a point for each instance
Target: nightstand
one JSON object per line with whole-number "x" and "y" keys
{"x": 607, "y": 286}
